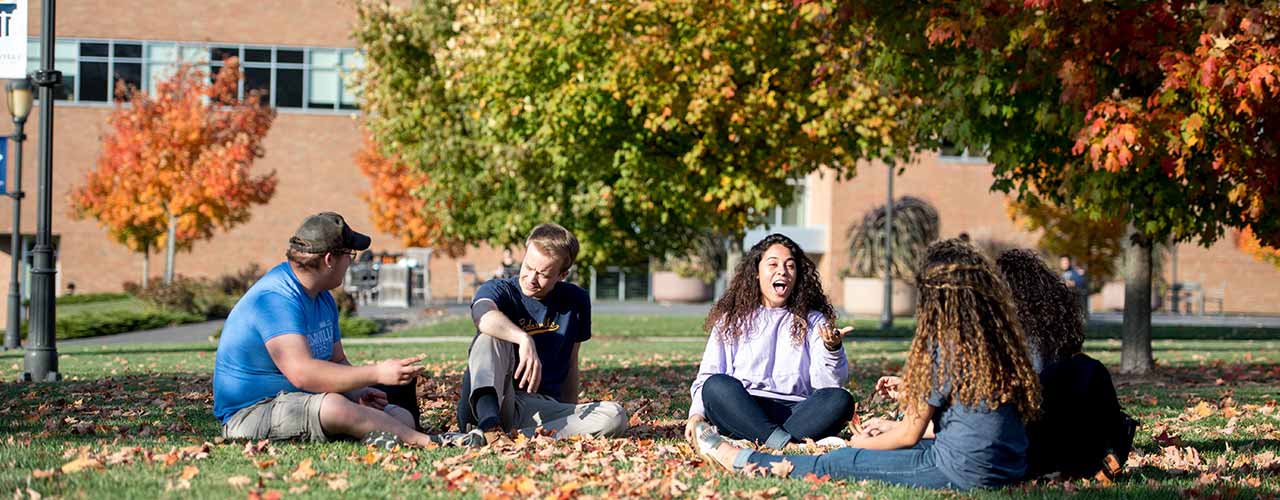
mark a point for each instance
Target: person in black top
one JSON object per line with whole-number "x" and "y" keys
{"x": 522, "y": 368}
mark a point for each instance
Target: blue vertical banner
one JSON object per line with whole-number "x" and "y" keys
{"x": 4, "y": 165}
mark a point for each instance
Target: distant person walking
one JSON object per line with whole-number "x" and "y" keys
{"x": 1075, "y": 279}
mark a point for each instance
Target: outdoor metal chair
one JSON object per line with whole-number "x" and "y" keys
{"x": 1217, "y": 295}
{"x": 466, "y": 269}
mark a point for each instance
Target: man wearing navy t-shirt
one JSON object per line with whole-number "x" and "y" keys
{"x": 522, "y": 370}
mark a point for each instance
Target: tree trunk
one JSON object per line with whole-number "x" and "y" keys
{"x": 146, "y": 266}
{"x": 732, "y": 256}
{"x": 169, "y": 247}
{"x": 1135, "y": 344}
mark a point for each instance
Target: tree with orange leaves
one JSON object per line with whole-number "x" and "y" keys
{"x": 1248, "y": 242}
{"x": 175, "y": 166}
{"x": 392, "y": 203}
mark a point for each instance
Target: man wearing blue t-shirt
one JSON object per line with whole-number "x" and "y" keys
{"x": 522, "y": 369}
{"x": 280, "y": 371}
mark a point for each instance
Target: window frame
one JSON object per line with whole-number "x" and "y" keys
{"x": 349, "y": 59}
{"x": 800, "y": 201}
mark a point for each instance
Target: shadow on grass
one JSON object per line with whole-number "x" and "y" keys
{"x": 176, "y": 408}
{"x": 121, "y": 350}
{"x": 1111, "y": 331}
{"x": 1105, "y": 332}
{"x": 655, "y": 394}
{"x": 127, "y": 406}
{"x": 1143, "y": 482}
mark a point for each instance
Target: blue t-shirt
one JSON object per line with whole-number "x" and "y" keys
{"x": 556, "y": 323}
{"x": 244, "y": 373}
{"x": 978, "y": 447}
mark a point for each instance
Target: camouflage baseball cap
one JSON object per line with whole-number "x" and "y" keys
{"x": 327, "y": 232}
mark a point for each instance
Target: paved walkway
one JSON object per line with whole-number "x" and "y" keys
{"x": 181, "y": 334}
{"x": 402, "y": 317}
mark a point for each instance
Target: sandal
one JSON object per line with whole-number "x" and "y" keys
{"x": 708, "y": 439}
{"x": 382, "y": 439}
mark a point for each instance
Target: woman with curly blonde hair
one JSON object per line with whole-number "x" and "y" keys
{"x": 967, "y": 373}
{"x": 774, "y": 365}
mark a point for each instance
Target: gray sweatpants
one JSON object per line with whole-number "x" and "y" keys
{"x": 492, "y": 363}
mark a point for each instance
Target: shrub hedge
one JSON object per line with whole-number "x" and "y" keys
{"x": 89, "y": 298}
{"x": 74, "y": 326}
{"x": 355, "y": 326}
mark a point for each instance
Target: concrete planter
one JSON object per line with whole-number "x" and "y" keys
{"x": 670, "y": 287}
{"x": 865, "y": 296}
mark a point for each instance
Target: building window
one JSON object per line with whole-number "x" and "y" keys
{"x": 956, "y": 153}
{"x": 287, "y": 77}
{"x": 793, "y": 213}
{"x": 330, "y": 69}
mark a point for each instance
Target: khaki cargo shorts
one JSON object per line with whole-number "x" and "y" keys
{"x": 288, "y": 416}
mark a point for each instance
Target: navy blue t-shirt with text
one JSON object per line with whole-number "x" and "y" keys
{"x": 557, "y": 322}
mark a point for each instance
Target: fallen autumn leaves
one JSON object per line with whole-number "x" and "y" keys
{"x": 1201, "y": 435}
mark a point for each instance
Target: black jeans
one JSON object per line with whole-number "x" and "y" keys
{"x": 404, "y": 396}
{"x": 774, "y": 422}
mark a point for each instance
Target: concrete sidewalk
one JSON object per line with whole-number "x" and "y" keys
{"x": 180, "y": 334}
{"x": 402, "y": 317}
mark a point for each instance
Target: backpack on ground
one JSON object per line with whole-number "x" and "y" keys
{"x": 1082, "y": 431}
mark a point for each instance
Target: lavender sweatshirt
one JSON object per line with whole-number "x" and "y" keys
{"x": 767, "y": 362}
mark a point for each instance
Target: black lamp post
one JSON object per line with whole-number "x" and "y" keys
{"x": 41, "y": 361}
{"x": 886, "y": 314}
{"x": 19, "y": 94}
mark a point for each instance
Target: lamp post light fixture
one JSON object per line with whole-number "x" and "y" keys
{"x": 19, "y": 96}
{"x": 40, "y": 363}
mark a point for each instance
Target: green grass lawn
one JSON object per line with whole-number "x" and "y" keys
{"x": 615, "y": 325}
{"x": 134, "y": 419}
{"x": 618, "y": 325}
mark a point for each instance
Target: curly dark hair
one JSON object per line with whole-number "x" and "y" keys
{"x": 968, "y": 339}
{"x": 1050, "y": 315}
{"x": 735, "y": 311}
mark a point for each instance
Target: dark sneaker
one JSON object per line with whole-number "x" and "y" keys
{"x": 382, "y": 439}
{"x": 473, "y": 439}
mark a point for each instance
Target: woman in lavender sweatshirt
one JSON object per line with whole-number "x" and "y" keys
{"x": 967, "y": 374}
{"x": 774, "y": 366}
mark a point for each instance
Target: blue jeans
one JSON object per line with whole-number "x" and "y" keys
{"x": 774, "y": 422}
{"x": 915, "y": 466}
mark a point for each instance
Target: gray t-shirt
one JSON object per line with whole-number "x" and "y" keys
{"x": 978, "y": 447}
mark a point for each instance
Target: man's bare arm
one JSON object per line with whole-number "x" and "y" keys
{"x": 293, "y": 357}
{"x": 492, "y": 322}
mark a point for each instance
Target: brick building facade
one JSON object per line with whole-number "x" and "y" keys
{"x": 296, "y": 50}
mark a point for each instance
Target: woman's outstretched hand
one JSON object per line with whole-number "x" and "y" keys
{"x": 889, "y": 387}
{"x": 832, "y": 338}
